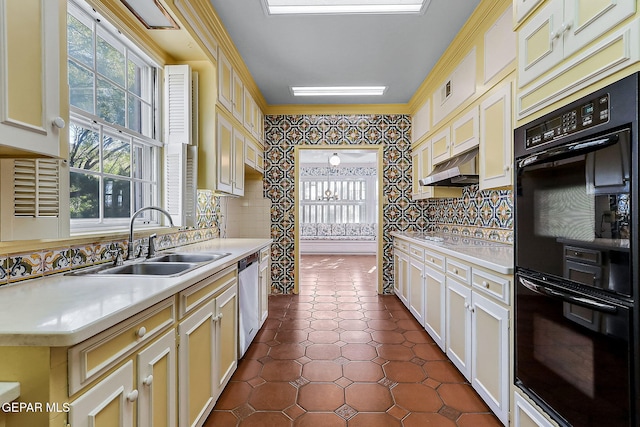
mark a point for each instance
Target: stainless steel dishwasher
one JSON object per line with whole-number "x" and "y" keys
{"x": 248, "y": 301}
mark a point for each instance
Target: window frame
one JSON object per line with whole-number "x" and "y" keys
{"x": 150, "y": 143}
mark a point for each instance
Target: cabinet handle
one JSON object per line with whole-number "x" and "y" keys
{"x": 59, "y": 123}
{"x": 466, "y": 305}
{"x": 148, "y": 381}
{"x": 141, "y": 332}
{"x": 507, "y": 168}
{"x": 432, "y": 260}
{"x": 133, "y": 396}
{"x": 217, "y": 318}
{"x": 455, "y": 271}
{"x": 485, "y": 284}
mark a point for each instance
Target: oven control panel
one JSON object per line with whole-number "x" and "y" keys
{"x": 587, "y": 115}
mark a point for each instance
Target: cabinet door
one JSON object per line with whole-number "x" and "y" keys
{"x": 400, "y": 282}
{"x": 226, "y": 321}
{"x": 421, "y": 122}
{"x": 197, "y": 365}
{"x": 225, "y": 81}
{"x": 416, "y": 174}
{"x": 540, "y": 44}
{"x": 441, "y": 146}
{"x": 585, "y": 21}
{"x": 258, "y": 118}
{"x": 416, "y": 289}
{"x": 264, "y": 288}
{"x": 465, "y": 132}
{"x": 248, "y": 110}
{"x": 225, "y": 155}
{"x": 496, "y": 139}
{"x": 459, "y": 326}
{"x": 157, "y": 383}
{"x": 109, "y": 403}
{"x": 526, "y": 415}
{"x": 434, "y": 317}
{"x": 490, "y": 349}
{"x": 238, "y": 97}
{"x": 30, "y": 110}
{"x": 523, "y": 7}
{"x": 238, "y": 154}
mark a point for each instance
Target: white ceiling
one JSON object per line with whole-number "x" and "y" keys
{"x": 397, "y": 51}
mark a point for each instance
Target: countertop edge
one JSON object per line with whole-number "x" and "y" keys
{"x": 174, "y": 285}
{"x": 498, "y": 268}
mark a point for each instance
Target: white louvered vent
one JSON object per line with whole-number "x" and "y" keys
{"x": 173, "y": 178}
{"x": 36, "y": 188}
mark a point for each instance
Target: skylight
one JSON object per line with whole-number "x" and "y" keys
{"x": 338, "y": 90}
{"x": 279, "y": 7}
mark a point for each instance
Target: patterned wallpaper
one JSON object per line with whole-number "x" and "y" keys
{"x": 484, "y": 214}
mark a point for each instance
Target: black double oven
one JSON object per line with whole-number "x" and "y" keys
{"x": 576, "y": 246}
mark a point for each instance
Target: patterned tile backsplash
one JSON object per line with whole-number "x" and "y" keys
{"x": 485, "y": 214}
{"x": 22, "y": 266}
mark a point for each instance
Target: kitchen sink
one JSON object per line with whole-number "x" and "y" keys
{"x": 151, "y": 268}
{"x": 168, "y": 264}
{"x": 189, "y": 257}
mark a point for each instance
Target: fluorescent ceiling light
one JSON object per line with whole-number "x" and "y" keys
{"x": 279, "y": 7}
{"x": 338, "y": 90}
{"x": 152, "y": 14}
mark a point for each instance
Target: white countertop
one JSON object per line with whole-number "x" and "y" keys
{"x": 495, "y": 256}
{"x": 64, "y": 310}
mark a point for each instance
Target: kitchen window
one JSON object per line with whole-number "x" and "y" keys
{"x": 113, "y": 146}
{"x": 343, "y": 200}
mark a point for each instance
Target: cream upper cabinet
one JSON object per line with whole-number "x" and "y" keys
{"x": 561, "y": 28}
{"x": 421, "y": 122}
{"x": 523, "y": 7}
{"x": 225, "y": 81}
{"x": 421, "y": 167}
{"x": 496, "y": 138}
{"x": 231, "y": 154}
{"x": 441, "y": 146}
{"x": 249, "y": 113}
{"x": 464, "y": 132}
{"x": 237, "y": 100}
{"x": 31, "y": 115}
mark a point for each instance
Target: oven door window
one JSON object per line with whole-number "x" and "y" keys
{"x": 573, "y": 217}
{"x": 573, "y": 358}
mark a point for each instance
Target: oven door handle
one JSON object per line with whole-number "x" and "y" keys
{"x": 581, "y": 301}
{"x": 569, "y": 149}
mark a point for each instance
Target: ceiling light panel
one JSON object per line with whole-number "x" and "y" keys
{"x": 151, "y": 13}
{"x": 338, "y": 90}
{"x": 280, "y": 7}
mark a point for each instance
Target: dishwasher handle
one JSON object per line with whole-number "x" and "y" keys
{"x": 247, "y": 261}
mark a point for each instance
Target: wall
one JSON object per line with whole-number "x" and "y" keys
{"x": 484, "y": 214}
{"x": 247, "y": 216}
{"x": 283, "y": 133}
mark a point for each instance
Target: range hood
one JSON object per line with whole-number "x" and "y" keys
{"x": 458, "y": 171}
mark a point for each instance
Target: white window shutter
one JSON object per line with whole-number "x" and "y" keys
{"x": 180, "y": 183}
{"x": 178, "y": 90}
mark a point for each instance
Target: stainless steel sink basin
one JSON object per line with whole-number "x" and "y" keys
{"x": 189, "y": 257}
{"x": 151, "y": 268}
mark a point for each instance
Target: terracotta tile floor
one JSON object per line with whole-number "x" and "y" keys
{"x": 339, "y": 354}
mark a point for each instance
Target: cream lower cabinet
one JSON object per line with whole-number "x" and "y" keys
{"x": 264, "y": 283}
{"x": 401, "y": 271}
{"x": 416, "y": 288}
{"x": 207, "y": 354}
{"x": 526, "y": 415}
{"x": 435, "y": 293}
{"x": 109, "y": 403}
{"x": 478, "y": 342}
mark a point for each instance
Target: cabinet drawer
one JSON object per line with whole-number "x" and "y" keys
{"x": 434, "y": 260}
{"x": 265, "y": 253}
{"x": 193, "y": 296}
{"x": 416, "y": 252}
{"x": 459, "y": 271}
{"x": 401, "y": 244}
{"x": 96, "y": 355}
{"x": 495, "y": 286}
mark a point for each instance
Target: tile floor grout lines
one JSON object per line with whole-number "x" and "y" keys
{"x": 338, "y": 354}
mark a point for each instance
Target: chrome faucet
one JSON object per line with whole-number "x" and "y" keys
{"x": 133, "y": 217}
